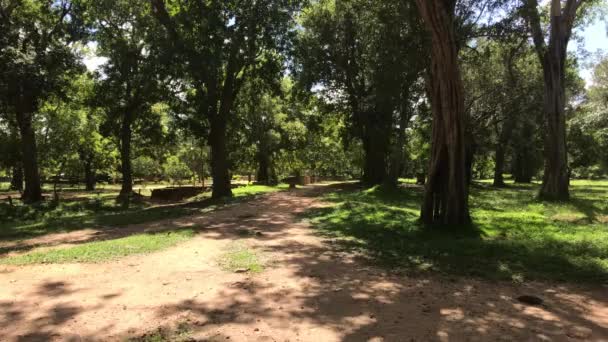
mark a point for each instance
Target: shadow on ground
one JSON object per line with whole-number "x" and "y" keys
{"x": 325, "y": 287}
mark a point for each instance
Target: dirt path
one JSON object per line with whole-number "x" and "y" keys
{"x": 309, "y": 293}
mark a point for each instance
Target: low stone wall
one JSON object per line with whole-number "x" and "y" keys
{"x": 176, "y": 194}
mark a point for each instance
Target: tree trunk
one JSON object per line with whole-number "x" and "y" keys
{"x": 446, "y": 192}
{"x": 89, "y": 174}
{"x": 125, "y": 156}
{"x": 556, "y": 177}
{"x": 375, "y": 146}
{"x": 525, "y": 163}
{"x": 219, "y": 158}
{"x": 499, "y": 161}
{"x": 397, "y": 164}
{"x": 522, "y": 170}
{"x": 553, "y": 58}
{"x": 499, "y": 166}
{"x": 33, "y": 191}
{"x": 17, "y": 178}
{"x": 265, "y": 174}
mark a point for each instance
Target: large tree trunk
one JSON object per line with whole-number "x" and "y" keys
{"x": 17, "y": 178}
{"x": 219, "y": 158}
{"x": 556, "y": 177}
{"x": 446, "y": 192}
{"x": 125, "y": 156}
{"x": 33, "y": 191}
{"x": 375, "y": 147}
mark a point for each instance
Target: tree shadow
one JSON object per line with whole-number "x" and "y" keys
{"x": 316, "y": 289}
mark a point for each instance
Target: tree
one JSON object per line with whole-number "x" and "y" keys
{"x": 129, "y": 82}
{"x": 220, "y": 44}
{"x": 446, "y": 193}
{"x": 68, "y": 132}
{"x": 552, "y": 56}
{"x": 366, "y": 56}
{"x": 36, "y": 61}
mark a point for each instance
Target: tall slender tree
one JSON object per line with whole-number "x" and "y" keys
{"x": 551, "y": 48}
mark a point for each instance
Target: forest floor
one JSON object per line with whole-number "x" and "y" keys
{"x": 304, "y": 266}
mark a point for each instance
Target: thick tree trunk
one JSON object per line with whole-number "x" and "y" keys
{"x": 446, "y": 193}
{"x": 219, "y": 158}
{"x": 125, "y": 156}
{"x": 375, "y": 147}
{"x": 33, "y": 191}
{"x": 556, "y": 178}
{"x": 17, "y": 178}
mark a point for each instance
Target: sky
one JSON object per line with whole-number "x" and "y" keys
{"x": 595, "y": 41}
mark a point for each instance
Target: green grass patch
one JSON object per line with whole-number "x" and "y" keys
{"x": 252, "y": 190}
{"x": 99, "y": 251}
{"x": 239, "y": 257}
{"x": 514, "y": 235}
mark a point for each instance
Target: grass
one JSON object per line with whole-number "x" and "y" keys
{"x": 252, "y": 190}
{"x": 514, "y": 236}
{"x": 99, "y": 251}
{"x": 94, "y": 210}
{"x": 239, "y": 257}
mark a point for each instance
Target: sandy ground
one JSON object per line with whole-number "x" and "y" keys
{"x": 309, "y": 292}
